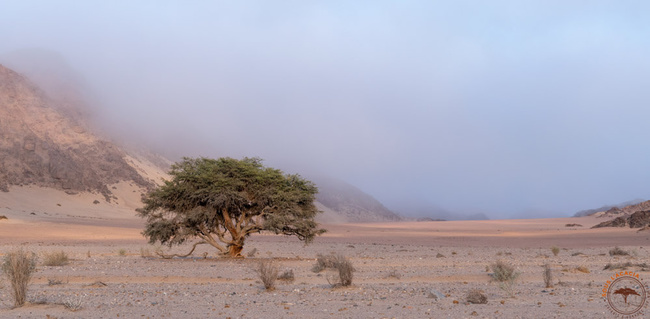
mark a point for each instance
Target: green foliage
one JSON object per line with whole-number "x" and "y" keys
{"x": 225, "y": 200}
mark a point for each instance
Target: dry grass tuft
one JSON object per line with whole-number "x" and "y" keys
{"x": 476, "y": 296}
{"x": 59, "y": 258}
{"x": 506, "y": 275}
{"x": 548, "y": 276}
{"x": 19, "y": 266}
{"x": 555, "y": 250}
{"x": 616, "y": 251}
{"x": 145, "y": 252}
{"x": 287, "y": 276}
{"x": 394, "y": 274}
{"x": 583, "y": 269}
{"x": 339, "y": 263}
{"x": 252, "y": 253}
{"x": 3, "y": 217}
{"x": 345, "y": 271}
{"x": 323, "y": 262}
{"x": 503, "y": 272}
{"x": 268, "y": 272}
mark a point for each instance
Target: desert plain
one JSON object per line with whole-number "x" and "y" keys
{"x": 403, "y": 269}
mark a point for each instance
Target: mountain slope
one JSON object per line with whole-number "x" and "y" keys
{"x": 349, "y": 203}
{"x": 42, "y": 146}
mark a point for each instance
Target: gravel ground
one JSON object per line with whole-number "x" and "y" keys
{"x": 391, "y": 281}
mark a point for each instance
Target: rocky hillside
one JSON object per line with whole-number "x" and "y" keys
{"x": 611, "y": 208}
{"x": 349, "y": 203}
{"x": 45, "y": 141}
{"x": 639, "y": 219}
{"x": 41, "y": 145}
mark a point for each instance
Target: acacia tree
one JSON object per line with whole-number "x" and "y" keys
{"x": 223, "y": 201}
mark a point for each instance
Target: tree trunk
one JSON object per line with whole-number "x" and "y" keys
{"x": 234, "y": 250}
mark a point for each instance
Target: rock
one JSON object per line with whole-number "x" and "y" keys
{"x": 635, "y": 220}
{"x": 616, "y": 222}
{"x": 435, "y": 294}
{"x": 639, "y": 219}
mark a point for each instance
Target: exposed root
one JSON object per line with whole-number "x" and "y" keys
{"x": 160, "y": 254}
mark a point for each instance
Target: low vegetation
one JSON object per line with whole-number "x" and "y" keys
{"x": 555, "y": 250}
{"x": 548, "y": 276}
{"x": 339, "y": 263}
{"x": 59, "y": 258}
{"x": 616, "y": 251}
{"x": 503, "y": 271}
{"x": 476, "y": 296}
{"x": 267, "y": 270}
{"x": 323, "y": 262}
{"x": 394, "y": 274}
{"x": 287, "y": 276}
{"x": 506, "y": 275}
{"x": 19, "y": 266}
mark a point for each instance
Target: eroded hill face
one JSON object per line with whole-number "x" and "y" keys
{"x": 41, "y": 146}
{"x": 346, "y": 203}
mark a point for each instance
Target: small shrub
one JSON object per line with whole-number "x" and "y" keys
{"x": 503, "y": 271}
{"x": 122, "y": 252}
{"x": 54, "y": 282}
{"x": 506, "y": 275}
{"x": 345, "y": 271}
{"x": 439, "y": 255}
{"x": 3, "y": 217}
{"x": 616, "y": 251}
{"x": 145, "y": 252}
{"x": 555, "y": 250}
{"x": 583, "y": 269}
{"x": 59, "y": 258}
{"x": 19, "y": 266}
{"x": 287, "y": 276}
{"x": 324, "y": 262}
{"x": 572, "y": 225}
{"x": 476, "y": 296}
{"x": 268, "y": 272}
{"x": 252, "y": 253}
{"x": 394, "y": 274}
{"x": 548, "y": 276}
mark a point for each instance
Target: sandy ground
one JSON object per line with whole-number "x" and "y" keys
{"x": 403, "y": 270}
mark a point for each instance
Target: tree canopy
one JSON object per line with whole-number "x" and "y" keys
{"x": 223, "y": 201}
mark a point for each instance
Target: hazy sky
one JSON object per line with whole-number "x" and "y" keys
{"x": 511, "y": 108}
